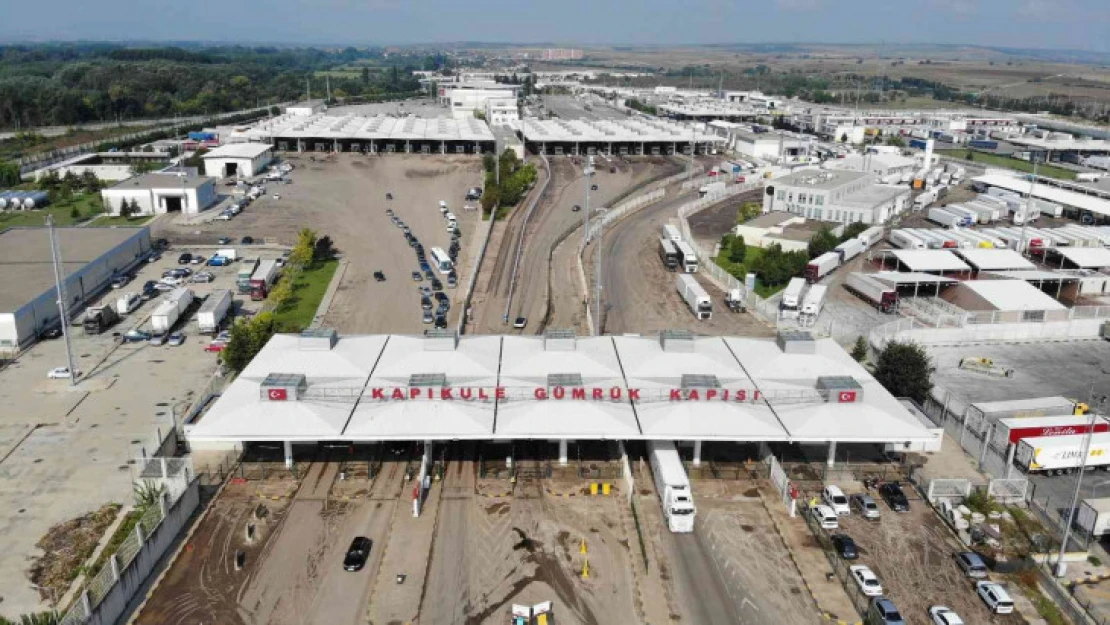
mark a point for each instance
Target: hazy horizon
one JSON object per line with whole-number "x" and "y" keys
{"x": 1079, "y": 25}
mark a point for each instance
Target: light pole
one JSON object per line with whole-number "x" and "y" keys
{"x": 587, "y": 174}
{"x": 1060, "y": 568}
{"x": 1029, "y": 205}
{"x": 597, "y": 281}
{"x": 59, "y": 289}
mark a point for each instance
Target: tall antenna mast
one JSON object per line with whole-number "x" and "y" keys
{"x": 59, "y": 287}
{"x": 307, "y": 90}
{"x": 327, "y": 82}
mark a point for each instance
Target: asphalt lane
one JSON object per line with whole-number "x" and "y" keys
{"x": 701, "y": 590}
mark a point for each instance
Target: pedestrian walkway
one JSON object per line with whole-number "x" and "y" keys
{"x": 397, "y": 600}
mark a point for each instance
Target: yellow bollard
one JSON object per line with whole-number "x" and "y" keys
{"x": 605, "y": 488}
{"x": 593, "y": 488}
{"x": 582, "y": 547}
{"x": 586, "y": 569}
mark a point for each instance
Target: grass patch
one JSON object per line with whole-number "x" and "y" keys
{"x": 740, "y": 270}
{"x": 88, "y": 206}
{"x": 1048, "y": 610}
{"x": 986, "y": 158}
{"x": 134, "y": 222}
{"x": 308, "y": 289}
{"x": 125, "y": 529}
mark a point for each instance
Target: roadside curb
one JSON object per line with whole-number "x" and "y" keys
{"x": 329, "y": 295}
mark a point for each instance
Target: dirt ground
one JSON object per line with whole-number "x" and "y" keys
{"x": 343, "y": 196}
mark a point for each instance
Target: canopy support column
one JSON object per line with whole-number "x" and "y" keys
{"x": 562, "y": 452}
{"x": 288, "y": 454}
{"x": 832, "y": 454}
{"x": 697, "y": 453}
{"x": 425, "y": 462}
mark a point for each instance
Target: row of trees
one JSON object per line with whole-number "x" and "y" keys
{"x": 517, "y": 178}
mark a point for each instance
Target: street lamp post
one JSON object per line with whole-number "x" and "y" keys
{"x": 587, "y": 175}
{"x": 597, "y": 280}
{"x": 1060, "y": 567}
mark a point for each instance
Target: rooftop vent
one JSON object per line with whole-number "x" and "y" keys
{"x": 699, "y": 380}
{"x": 796, "y": 343}
{"x": 283, "y": 386}
{"x": 318, "y": 339}
{"x": 676, "y": 340}
{"x": 428, "y": 379}
{"x": 560, "y": 340}
{"x": 564, "y": 379}
{"x": 842, "y": 389}
{"x": 440, "y": 341}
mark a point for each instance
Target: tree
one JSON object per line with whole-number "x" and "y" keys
{"x": 904, "y": 370}
{"x": 844, "y": 138}
{"x": 89, "y": 181}
{"x": 365, "y": 75}
{"x": 853, "y": 230}
{"x": 246, "y": 339}
{"x": 896, "y": 141}
{"x": 859, "y": 350}
{"x": 325, "y": 249}
{"x": 970, "y": 155}
{"x": 489, "y": 161}
{"x": 74, "y": 213}
{"x": 304, "y": 250}
{"x": 821, "y": 242}
{"x": 133, "y": 208}
{"x": 9, "y": 174}
{"x": 737, "y": 249}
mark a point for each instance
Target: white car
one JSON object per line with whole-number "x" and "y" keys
{"x": 943, "y": 615}
{"x": 171, "y": 281}
{"x": 866, "y": 580}
{"x": 60, "y": 373}
{"x": 995, "y": 596}
{"x": 835, "y": 499}
{"x": 825, "y": 516}
{"x": 225, "y": 216}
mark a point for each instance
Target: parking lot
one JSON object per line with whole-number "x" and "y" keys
{"x": 344, "y": 196}
{"x": 66, "y": 449}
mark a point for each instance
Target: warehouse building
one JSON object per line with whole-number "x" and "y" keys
{"x": 379, "y": 134}
{"x": 319, "y": 386}
{"x": 465, "y": 97}
{"x": 1012, "y": 301}
{"x": 626, "y": 137}
{"x": 836, "y": 196}
{"x": 155, "y": 194}
{"x": 28, "y": 299}
{"x": 238, "y": 160}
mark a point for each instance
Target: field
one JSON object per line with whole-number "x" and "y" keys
{"x": 88, "y": 205}
{"x": 986, "y": 158}
{"x": 308, "y": 290}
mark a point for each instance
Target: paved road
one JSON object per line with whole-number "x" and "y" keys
{"x": 447, "y": 589}
{"x": 701, "y": 590}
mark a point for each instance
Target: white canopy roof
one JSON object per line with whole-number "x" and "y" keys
{"x": 1045, "y": 192}
{"x": 983, "y": 259}
{"x": 929, "y": 260}
{"x": 1012, "y": 295}
{"x": 910, "y": 277}
{"x": 1085, "y": 257}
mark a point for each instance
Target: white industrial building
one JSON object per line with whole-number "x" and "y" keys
{"x": 882, "y": 165}
{"x": 305, "y": 109}
{"x": 836, "y": 196}
{"x": 318, "y": 386}
{"x": 155, "y": 194}
{"x": 632, "y": 136}
{"x": 238, "y": 160}
{"x": 372, "y": 135}
{"x": 91, "y": 256}
{"x": 465, "y": 97}
{"x": 502, "y": 111}
{"x": 771, "y": 145}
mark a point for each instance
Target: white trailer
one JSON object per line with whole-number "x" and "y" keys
{"x": 1056, "y": 455}
{"x": 1094, "y": 516}
{"x": 670, "y": 231}
{"x": 688, "y": 260}
{"x": 1089, "y": 176}
{"x": 792, "y": 297}
{"x": 973, "y": 217}
{"x": 672, "y": 486}
{"x": 711, "y": 188}
{"x": 821, "y": 266}
{"x": 169, "y": 311}
{"x": 881, "y": 296}
{"x": 228, "y": 253}
{"x": 871, "y": 236}
{"x": 905, "y": 240}
{"x": 694, "y": 296}
{"x": 945, "y": 218}
{"x": 850, "y": 249}
{"x": 814, "y": 300}
{"x": 924, "y": 199}
{"x": 213, "y": 311}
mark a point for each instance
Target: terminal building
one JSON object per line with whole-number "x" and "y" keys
{"x": 379, "y": 134}
{"x": 91, "y": 256}
{"x": 626, "y": 137}
{"x": 838, "y": 196}
{"x": 302, "y": 390}
{"x": 238, "y": 160}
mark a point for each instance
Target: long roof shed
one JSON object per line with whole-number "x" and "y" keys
{"x": 926, "y": 261}
{"x": 985, "y": 259}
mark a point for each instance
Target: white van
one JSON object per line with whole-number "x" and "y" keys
{"x": 825, "y": 516}
{"x": 835, "y": 499}
{"x": 127, "y": 303}
{"x": 996, "y": 597}
{"x": 443, "y": 207}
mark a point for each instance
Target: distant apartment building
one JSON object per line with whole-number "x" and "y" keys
{"x": 561, "y": 54}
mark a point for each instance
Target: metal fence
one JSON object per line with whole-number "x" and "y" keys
{"x": 860, "y": 601}
{"x": 986, "y": 325}
{"x": 1077, "y": 611}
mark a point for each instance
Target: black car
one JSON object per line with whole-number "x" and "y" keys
{"x": 892, "y": 494}
{"x": 185, "y": 258}
{"x": 161, "y": 244}
{"x": 426, "y": 303}
{"x": 379, "y": 276}
{"x": 52, "y": 332}
{"x": 436, "y": 284}
{"x": 593, "y": 187}
{"x": 441, "y": 322}
{"x": 224, "y": 240}
{"x": 357, "y": 554}
{"x": 389, "y": 196}
{"x": 845, "y": 546}
{"x": 246, "y": 241}
{"x": 575, "y": 208}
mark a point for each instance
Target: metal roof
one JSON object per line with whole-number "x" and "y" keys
{"x": 910, "y": 277}
{"x": 375, "y": 128}
{"x": 929, "y": 260}
{"x": 1045, "y": 192}
{"x": 1012, "y": 295}
{"x": 614, "y": 131}
{"x": 984, "y": 259}
{"x": 1085, "y": 257}
{"x": 239, "y": 150}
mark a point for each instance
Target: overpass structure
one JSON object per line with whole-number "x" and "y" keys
{"x": 322, "y": 387}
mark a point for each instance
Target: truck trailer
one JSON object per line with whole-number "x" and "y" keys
{"x": 946, "y": 218}
{"x": 1094, "y": 516}
{"x": 169, "y": 311}
{"x": 821, "y": 266}
{"x": 213, "y": 311}
{"x": 263, "y": 278}
{"x": 672, "y": 486}
{"x": 1057, "y": 455}
{"x": 792, "y": 297}
{"x": 879, "y": 295}
{"x": 243, "y": 276}
{"x": 694, "y": 296}
{"x": 814, "y": 300}
{"x": 851, "y": 248}
{"x": 670, "y": 231}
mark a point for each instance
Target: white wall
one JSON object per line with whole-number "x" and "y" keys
{"x": 141, "y": 196}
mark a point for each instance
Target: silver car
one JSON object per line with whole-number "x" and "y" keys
{"x": 865, "y": 505}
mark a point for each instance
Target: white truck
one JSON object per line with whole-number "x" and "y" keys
{"x": 881, "y": 296}
{"x": 1089, "y": 176}
{"x": 924, "y": 199}
{"x": 694, "y": 296}
{"x": 228, "y": 253}
{"x": 670, "y": 231}
{"x": 871, "y": 236}
{"x": 213, "y": 311}
{"x": 127, "y": 303}
{"x": 1056, "y": 455}
{"x": 169, "y": 311}
{"x": 792, "y": 298}
{"x": 814, "y": 300}
{"x": 672, "y": 486}
{"x": 821, "y": 266}
{"x": 711, "y": 188}
{"x": 906, "y": 240}
{"x": 851, "y": 248}
{"x": 735, "y": 300}
{"x": 945, "y": 218}
{"x": 688, "y": 259}
{"x": 1094, "y": 516}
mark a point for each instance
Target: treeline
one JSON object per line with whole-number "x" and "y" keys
{"x": 60, "y": 85}
{"x": 516, "y": 179}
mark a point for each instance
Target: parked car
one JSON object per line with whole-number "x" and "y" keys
{"x": 427, "y": 318}
{"x": 865, "y": 505}
{"x": 866, "y": 580}
{"x": 135, "y": 336}
{"x": 215, "y": 346}
{"x": 892, "y": 494}
{"x": 883, "y": 612}
{"x": 158, "y": 340}
{"x": 995, "y": 596}
{"x": 824, "y": 516}
{"x": 175, "y": 339}
{"x": 426, "y": 303}
{"x": 452, "y": 281}
{"x": 203, "y": 277}
{"x": 171, "y": 281}
{"x": 51, "y": 332}
{"x": 154, "y": 256}
{"x": 389, "y": 211}
{"x": 417, "y": 276}
{"x": 246, "y": 241}
{"x": 845, "y": 546}
{"x": 835, "y": 499}
{"x": 219, "y": 261}
{"x": 224, "y": 216}
{"x": 198, "y": 260}
{"x": 60, "y": 373}
{"x": 357, "y": 554}
{"x": 436, "y": 284}
{"x": 185, "y": 258}
{"x": 120, "y": 280}
{"x": 379, "y": 276}
{"x": 441, "y": 322}
{"x": 593, "y": 187}
{"x": 165, "y": 286}
{"x": 520, "y": 322}
{"x": 224, "y": 240}
{"x": 971, "y": 564}
{"x": 943, "y": 615}
{"x": 424, "y": 290}
{"x": 575, "y": 208}
{"x": 389, "y": 196}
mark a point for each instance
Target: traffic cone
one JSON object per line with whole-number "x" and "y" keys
{"x": 582, "y": 547}
{"x": 586, "y": 569}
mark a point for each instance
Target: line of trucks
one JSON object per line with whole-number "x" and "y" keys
{"x": 256, "y": 277}
{"x": 802, "y": 300}
{"x": 995, "y": 205}
{"x": 679, "y": 256}
{"x": 824, "y": 264}
{"x": 1000, "y": 237}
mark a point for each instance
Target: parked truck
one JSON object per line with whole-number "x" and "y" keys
{"x": 127, "y": 303}
{"x": 694, "y": 296}
{"x": 879, "y": 295}
{"x": 688, "y": 259}
{"x": 792, "y": 297}
{"x": 99, "y": 318}
{"x": 671, "y": 232}
{"x": 672, "y": 486}
{"x": 821, "y": 266}
{"x": 212, "y": 312}
{"x": 851, "y": 248}
{"x": 1012, "y": 430}
{"x": 228, "y": 253}
{"x": 1057, "y": 455}
{"x": 262, "y": 279}
{"x": 735, "y": 300}
{"x": 814, "y": 300}
{"x": 169, "y": 312}
{"x": 946, "y": 218}
{"x": 243, "y": 277}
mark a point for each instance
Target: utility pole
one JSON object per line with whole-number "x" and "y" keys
{"x": 1029, "y": 205}
{"x": 587, "y": 173}
{"x": 59, "y": 289}
{"x": 1097, "y": 408}
{"x": 327, "y": 83}
{"x": 597, "y": 279}
{"x": 693, "y": 137}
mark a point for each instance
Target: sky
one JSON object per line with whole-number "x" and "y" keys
{"x": 1070, "y": 24}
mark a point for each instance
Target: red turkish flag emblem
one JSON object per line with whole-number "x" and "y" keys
{"x": 277, "y": 394}
{"x": 846, "y": 397}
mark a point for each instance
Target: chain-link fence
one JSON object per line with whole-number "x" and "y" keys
{"x": 948, "y": 488}
{"x": 970, "y": 428}
{"x": 860, "y": 601}
{"x": 1077, "y": 610}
